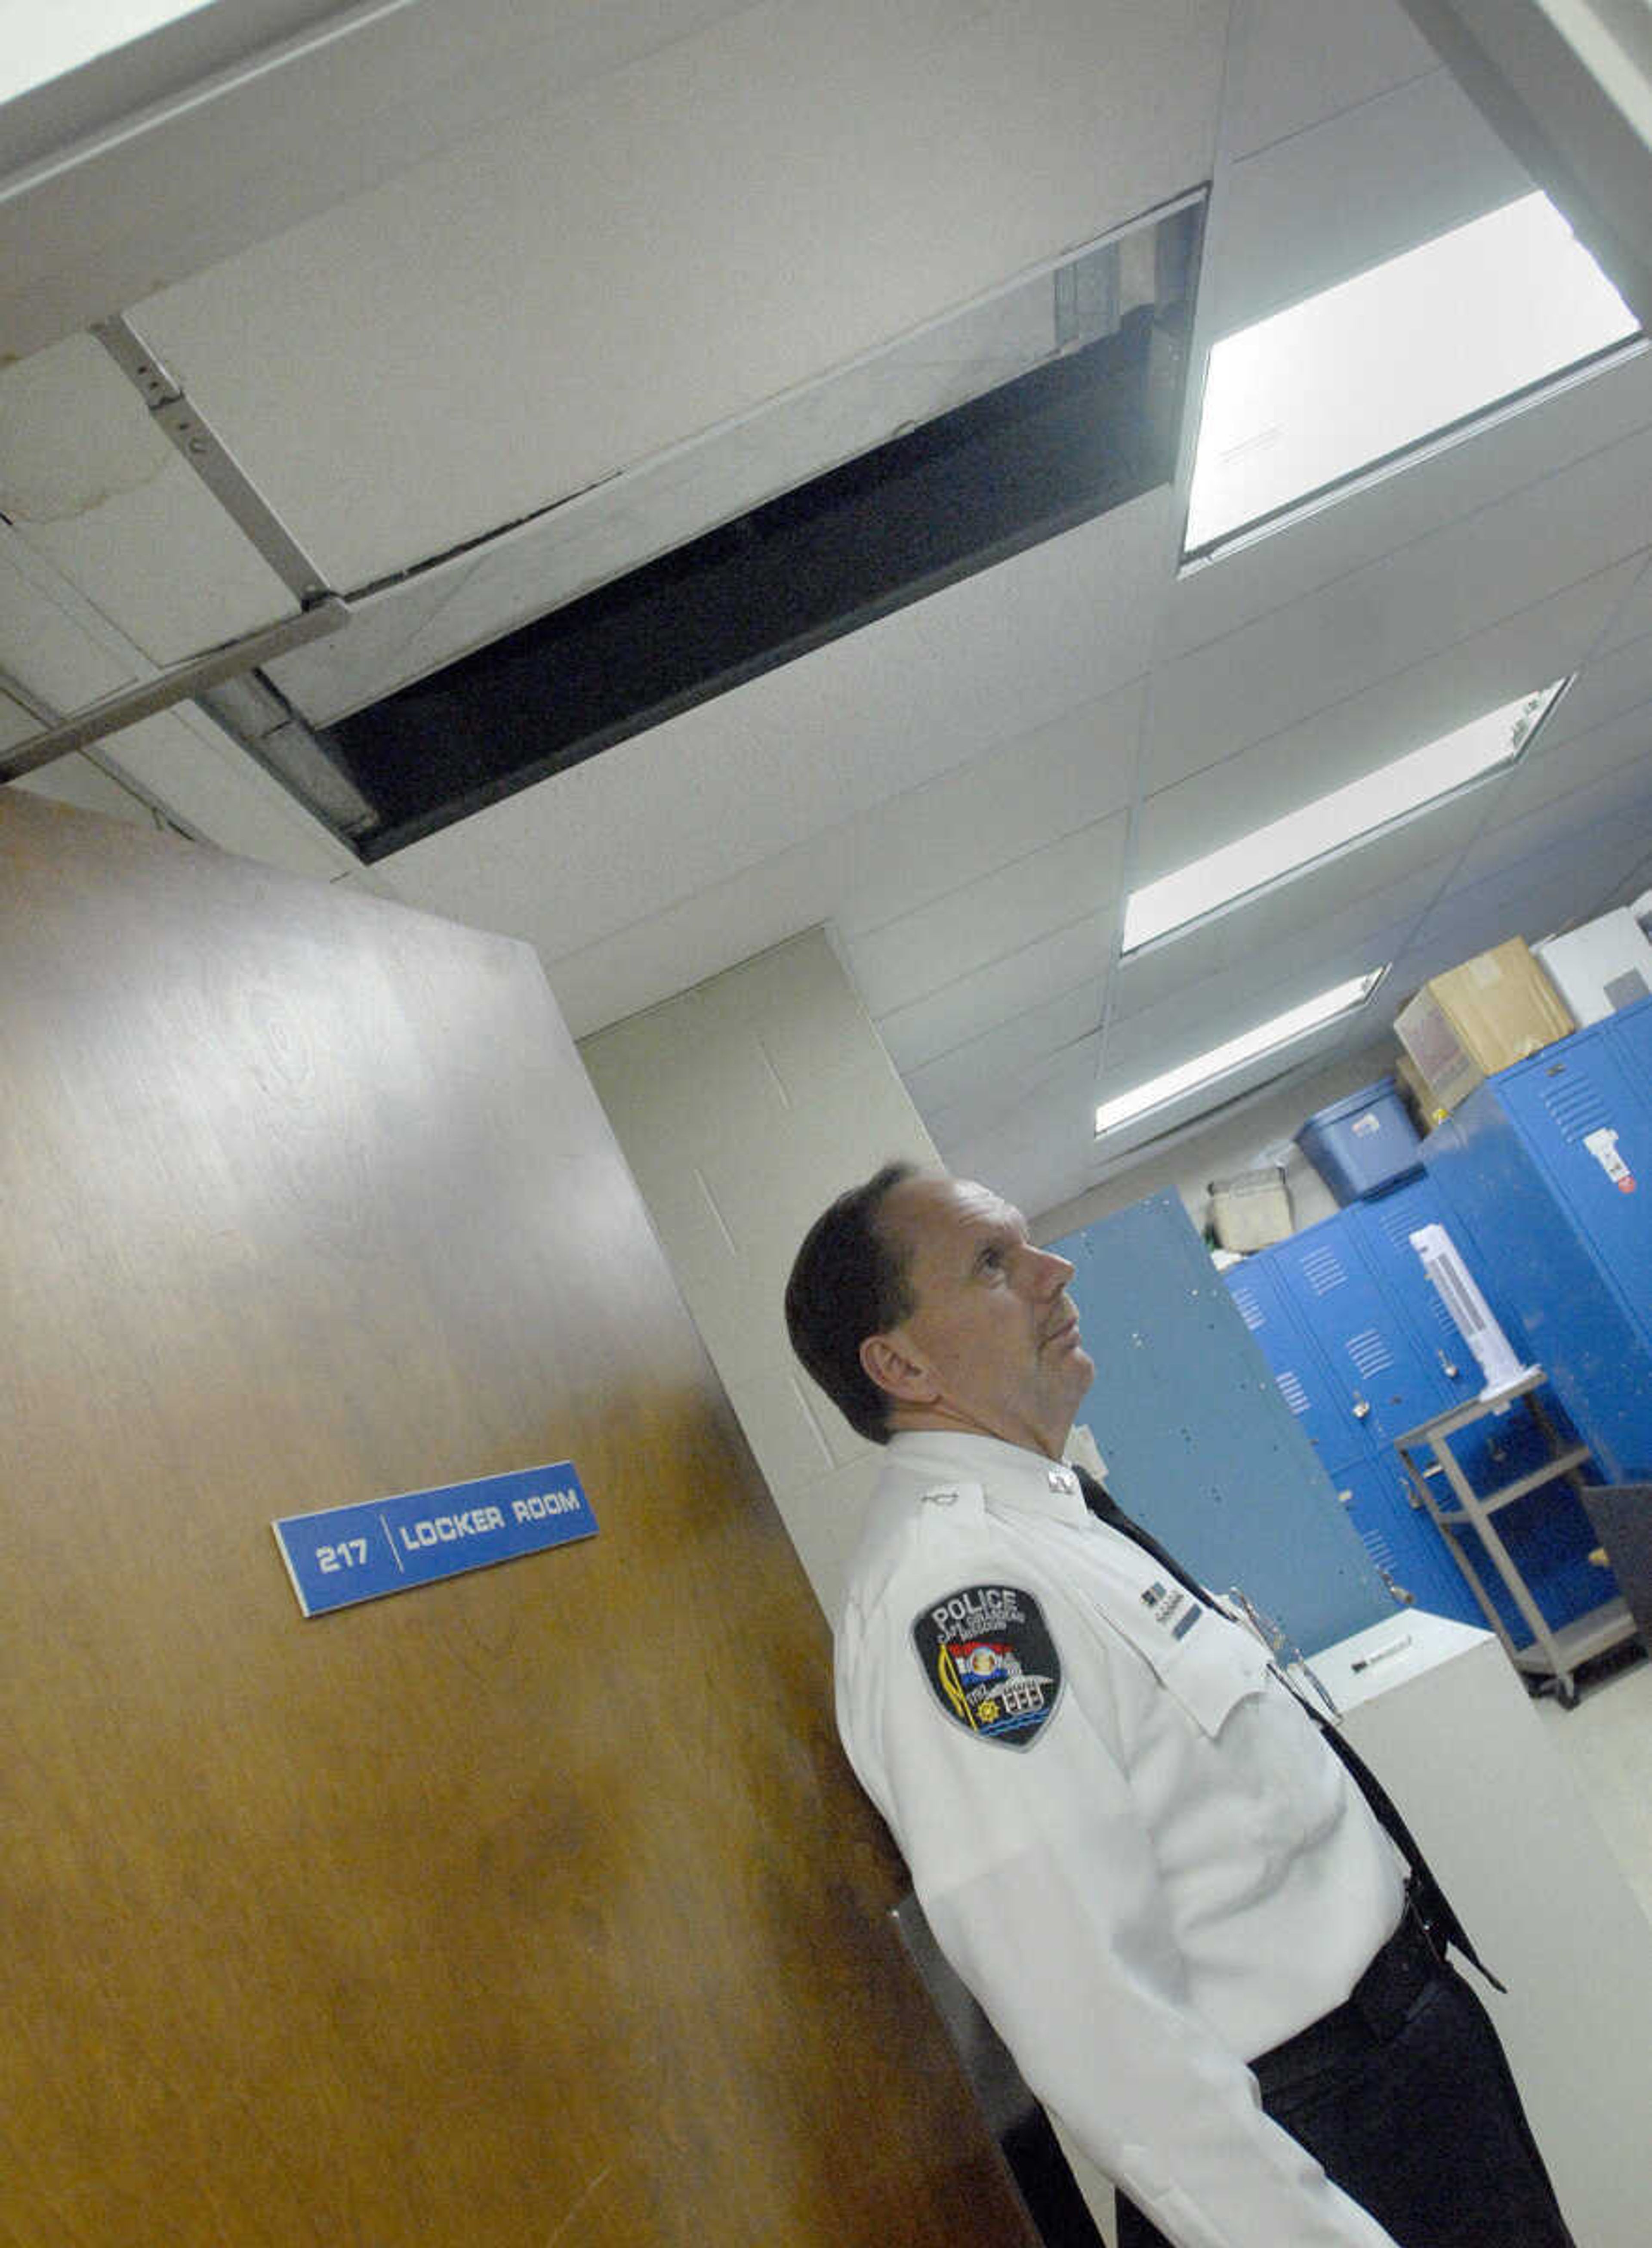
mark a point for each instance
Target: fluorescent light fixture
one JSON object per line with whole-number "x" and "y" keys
{"x": 1158, "y": 1092}
{"x": 46, "y": 42}
{"x": 1380, "y": 363}
{"x": 1317, "y": 830}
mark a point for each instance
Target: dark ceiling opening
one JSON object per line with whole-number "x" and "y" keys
{"x": 1085, "y": 432}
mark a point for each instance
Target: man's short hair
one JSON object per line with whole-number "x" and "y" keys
{"x": 849, "y": 1281}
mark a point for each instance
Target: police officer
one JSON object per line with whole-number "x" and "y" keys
{"x": 1171, "y": 1898}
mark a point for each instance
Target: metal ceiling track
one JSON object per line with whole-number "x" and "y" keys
{"x": 321, "y": 611}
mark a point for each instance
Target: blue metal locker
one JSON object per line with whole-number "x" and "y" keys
{"x": 1198, "y": 1445}
{"x": 1628, "y": 1037}
{"x": 1492, "y": 1451}
{"x": 1405, "y": 1546}
{"x": 1384, "y": 1230}
{"x": 1568, "y": 1245}
{"x": 1347, "y": 1318}
{"x": 1403, "y": 1542}
{"x": 1591, "y": 1130}
{"x": 1300, "y": 1376}
{"x": 1384, "y": 1379}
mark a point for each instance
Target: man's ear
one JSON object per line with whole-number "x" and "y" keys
{"x": 900, "y": 1376}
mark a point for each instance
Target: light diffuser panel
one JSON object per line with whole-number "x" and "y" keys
{"x": 1329, "y": 823}
{"x": 1363, "y": 371}
{"x": 1221, "y": 1061}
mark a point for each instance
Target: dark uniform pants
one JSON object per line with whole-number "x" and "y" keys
{"x": 1405, "y": 2099}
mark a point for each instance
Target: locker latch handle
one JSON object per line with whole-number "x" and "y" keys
{"x": 1361, "y": 1408}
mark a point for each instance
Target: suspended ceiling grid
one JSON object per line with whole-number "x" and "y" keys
{"x": 616, "y": 303}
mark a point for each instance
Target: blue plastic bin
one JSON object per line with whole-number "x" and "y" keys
{"x": 1363, "y": 1143}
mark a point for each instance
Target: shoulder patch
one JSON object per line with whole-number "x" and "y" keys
{"x": 990, "y": 1662}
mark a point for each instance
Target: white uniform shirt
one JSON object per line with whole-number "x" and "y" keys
{"x": 1126, "y": 1835}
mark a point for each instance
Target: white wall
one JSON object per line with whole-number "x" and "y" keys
{"x": 743, "y": 1107}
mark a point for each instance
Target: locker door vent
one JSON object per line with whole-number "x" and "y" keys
{"x": 1395, "y": 1219}
{"x": 1324, "y": 1270}
{"x": 1576, "y": 1107}
{"x": 1370, "y": 1353}
{"x": 1291, "y": 1390}
{"x": 1376, "y": 1543}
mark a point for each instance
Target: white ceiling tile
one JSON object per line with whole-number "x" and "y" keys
{"x": 1530, "y": 898}
{"x": 1004, "y": 1053}
{"x": 1370, "y": 729}
{"x": 771, "y": 197}
{"x": 1015, "y": 801}
{"x": 1361, "y": 188}
{"x": 1554, "y": 771}
{"x": 180, "y": 154}
{"x": 17, "y": 724}
{"x": 1615, "y": 678}
{"x": 803, "y": 748}
{"x": 1301, "y": 61}
{"x": 1401, "y": 610}
{"x": 1002, "y": 912}
{"x": 1042, "y": 1152}
{"x": 98, "y": 492}
{"x": 215, "y": 588}
{"x": 1411, "y": 501}
{"x": 1616, "y": 803}
{"x": 1632, "y": 889}
{"x": 1534, "y": 900}
{"x": 51, "y": 641}
{"x": 1040, "y": 972}
{"x": 1633, "y": 620}
{"x": 1006, "y": 1092}
{"x": 695, "y": 938}
{"x": 73, "y": 433}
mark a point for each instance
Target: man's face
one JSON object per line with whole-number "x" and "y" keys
{"x": 993, "y": 1342}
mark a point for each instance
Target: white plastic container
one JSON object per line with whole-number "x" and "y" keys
{"x": 1251, "y": 1210}
{"x": 1604, "y": 965}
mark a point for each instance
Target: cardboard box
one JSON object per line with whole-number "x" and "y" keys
{"x": 1426, "y": 1111}
{"x": 1492, "y": 1011}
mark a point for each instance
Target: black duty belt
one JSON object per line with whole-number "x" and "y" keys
{"x": 1379, "y": 2006}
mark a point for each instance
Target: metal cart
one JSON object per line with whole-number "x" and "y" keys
{"x": 1555, "y": 1655}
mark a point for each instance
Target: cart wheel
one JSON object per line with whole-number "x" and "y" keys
{"x": 1566, "y": 1693}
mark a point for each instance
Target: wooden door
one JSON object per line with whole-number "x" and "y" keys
{"x": 532, "y": 1908}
